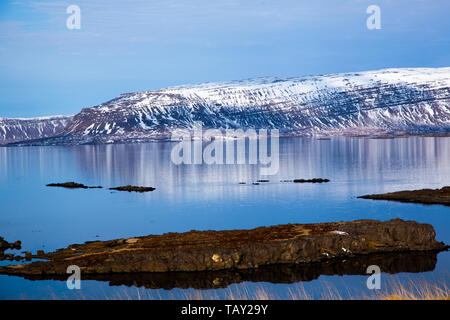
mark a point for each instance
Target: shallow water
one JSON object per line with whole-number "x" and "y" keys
{"x": 203, "y": 197}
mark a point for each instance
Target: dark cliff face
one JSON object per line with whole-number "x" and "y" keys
{"x": 12, "y": 130}
{"x": 392, "y": 101}
{"x": 392, "y": 263}
{"x": 236, "y": 249}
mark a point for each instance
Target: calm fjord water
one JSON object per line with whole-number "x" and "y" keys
{"x": 203, "y": 197}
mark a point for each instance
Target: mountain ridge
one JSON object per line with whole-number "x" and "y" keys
{"x": 382, "y": 102}
{"x": 23, "y": 129}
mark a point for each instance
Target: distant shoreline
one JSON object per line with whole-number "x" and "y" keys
{"x": 323, "y": 137}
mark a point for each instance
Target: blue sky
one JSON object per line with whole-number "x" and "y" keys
{"x": 136, "y": 45}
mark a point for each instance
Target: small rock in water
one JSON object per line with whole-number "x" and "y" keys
{"x": 4, "y": 245}
{"x": 315, "y": 180}
{"x": 72, "y": 185}
{"x": 131, "y": 188}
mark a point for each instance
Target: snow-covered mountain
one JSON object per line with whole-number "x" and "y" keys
{"x": 19, "y": 129}
{"x": 391, "y": 101}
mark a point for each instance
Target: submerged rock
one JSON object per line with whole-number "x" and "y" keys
{"x": 131, "y": 188}
{"x": 236, "y": 249}
{"x": 424, "y": 196}
{"x": 72, "y": 185}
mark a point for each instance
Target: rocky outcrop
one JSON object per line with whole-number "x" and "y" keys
{"x": 72, "y": 185}
{"x": 5, "y": 245}
{"x": 131, "y": 188}
{"x": 391, "y": 263}
{"x": 423, "y": 196}
{"x": 315, "y": 180}
{"x": 236, "y": 249}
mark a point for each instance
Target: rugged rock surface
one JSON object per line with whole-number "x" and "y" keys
{"x": 236, "y": 249}
{"x": 12, "y": 130}
{"x": 424, "y": 196}
{"x": 371, "y": 103}
{"x": 412, "y": 262}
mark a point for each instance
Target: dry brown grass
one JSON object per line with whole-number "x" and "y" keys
{"x": 425, "y": 291}
{"x": 391, "y": 290}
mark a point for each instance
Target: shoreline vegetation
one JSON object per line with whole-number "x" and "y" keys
{"x": 392, "y": 289}
{"x": 423, "y": 196}
{"x": 395, "y": 291}
{"x": 236, "y": 249}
